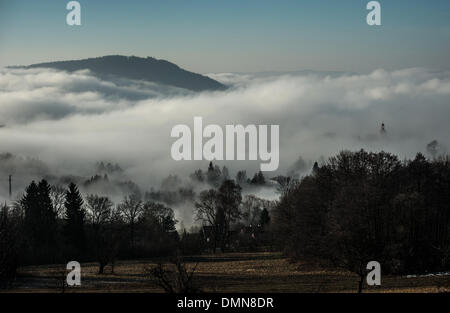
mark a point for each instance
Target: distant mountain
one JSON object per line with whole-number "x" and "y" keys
{"x": 148, "y": 69}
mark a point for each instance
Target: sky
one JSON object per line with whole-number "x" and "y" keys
{"x": 213, "y": 36}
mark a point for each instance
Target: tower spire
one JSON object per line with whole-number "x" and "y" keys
{"x": 383, "y": 129}
{"x": 10, "y": 186}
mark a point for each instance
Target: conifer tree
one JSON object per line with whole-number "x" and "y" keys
{"x": 40, "y": 221}
{"x": 74, "y": 220}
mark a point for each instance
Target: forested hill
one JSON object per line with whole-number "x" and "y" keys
{"x": 148, "y": 69}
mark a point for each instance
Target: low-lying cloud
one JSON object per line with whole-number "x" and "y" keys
{"x": 69, "y": 121}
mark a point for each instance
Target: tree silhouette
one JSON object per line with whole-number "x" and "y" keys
{"x": 264, "y": 218}
{"x": 74, "y": 221}
{"x": 131, "y": 210}
{"x": 228, "y": 211}
{"x": 241, "y": 178}
{"x": 360, "y": 206}
{"x": 9, "y": 238}
{"x": 40, "y": 221}
{"x": 162, "y": 215}
{"x": 258, "y": 179}
{"x": 100, "y": 210}
{"x": 213, "y": 175}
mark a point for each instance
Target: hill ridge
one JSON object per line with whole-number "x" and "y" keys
{"x": 138, "y": 68}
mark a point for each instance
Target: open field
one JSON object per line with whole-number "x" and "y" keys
{"x": 230, "y": 272}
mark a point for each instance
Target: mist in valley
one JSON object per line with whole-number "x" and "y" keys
{"x": 112, "y": 137}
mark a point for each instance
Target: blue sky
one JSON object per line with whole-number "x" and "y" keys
{"x": 233, "y": 35}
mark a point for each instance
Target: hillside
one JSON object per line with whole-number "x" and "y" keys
{"x": 147, "y": 69}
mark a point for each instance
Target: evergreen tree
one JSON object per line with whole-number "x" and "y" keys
{"x": 74, "y": 221}
{"x": 29, "y": 204}
{"x": 241, "y": 178}
{"x": 225, "y": 173}
{"x": 198, "y": 176}
{"x": 213, "y": 175}
{"x": 48, "y": 214}
{"x": 258, "y": 179}
{"x": 40, "y": 221}
{"x": 315, "y": 168}
{"x": 264, "y": 218}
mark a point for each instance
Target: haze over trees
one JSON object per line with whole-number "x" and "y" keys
{"x": 353, "y": 208}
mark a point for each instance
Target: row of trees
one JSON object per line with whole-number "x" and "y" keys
{"x": 50, "y": 224}
{"x": 354, "y": 208}
{"x": 175, "y": 191}
{"x": 39, "y": 229}
{"x": 222, "y": 211}
{"x": 214, "y": 176}
{"x": 359, "y": 207}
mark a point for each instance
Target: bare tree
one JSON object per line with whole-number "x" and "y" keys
{"x": 58, "y": 197}
{"x": 100, "y": 213}
{"x": 230, "y": 199}
{"x": 285, "y": 184}
{"x": 206, "y": 206}
{"x": 99, "y": 210}
{"x": 174, "y": 277}
{"x": 206, "y": 211}
{"x": 8, "y": 248}
{"x": 251, "y": 209}
{"x": 162, "y": 215}
{"x": 218, "y": 209}
{"x": 131, "y": 209}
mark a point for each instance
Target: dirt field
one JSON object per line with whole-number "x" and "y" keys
{"x": 230, "y": 272}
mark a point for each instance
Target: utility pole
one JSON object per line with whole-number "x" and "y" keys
{"x": 10, "y": 186}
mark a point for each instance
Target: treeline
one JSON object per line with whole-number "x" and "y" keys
{"x": 229, "y": 221}
{"x": 354, "y": 208}
{"x": 214, "y": 176}
{"x": 174, "y": 190}
{"x": 52, "y": 225}
{"x": 359, "y": 207}
{"x": 47, "y": 227}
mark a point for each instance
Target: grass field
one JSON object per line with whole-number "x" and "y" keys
{"x": 229, "y": 272}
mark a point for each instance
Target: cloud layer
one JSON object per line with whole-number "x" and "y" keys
{"x": 70, "y": 121}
